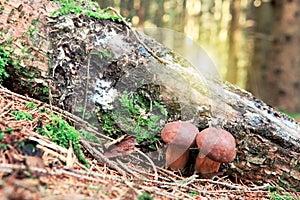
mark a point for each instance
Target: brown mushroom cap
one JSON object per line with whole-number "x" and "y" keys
{"x": 216, "y": 144}
{"x": 180, "y": 133}
{"x": 179, "y": 136}
{"x": 169, "y": 131}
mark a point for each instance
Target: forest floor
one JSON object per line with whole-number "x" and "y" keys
{"x": 33, "y": 167}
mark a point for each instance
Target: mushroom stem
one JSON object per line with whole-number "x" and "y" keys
{"x": 216, "y": 146}
{"x": 205, "y": 165}
{"x": 176, "y": 162}
{"x": 179, "y": 136}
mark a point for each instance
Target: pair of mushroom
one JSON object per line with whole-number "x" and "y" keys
{"x": 216, "y": 146}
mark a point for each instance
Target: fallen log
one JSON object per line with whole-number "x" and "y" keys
{"x": 92, "y": 61}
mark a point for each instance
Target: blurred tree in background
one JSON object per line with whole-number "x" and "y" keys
{"x": 255, "y": 43}
{"x": 280, "y": 85}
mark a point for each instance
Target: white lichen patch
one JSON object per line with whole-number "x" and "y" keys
{"x": 104, "y": 94}
{"x": 109, "y": 37}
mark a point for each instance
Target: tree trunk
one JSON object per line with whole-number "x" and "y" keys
{"x": 106, "y": 3}
{"x": 126, "y": 8}
{"x": 262, "y": 31}
{"x": 101, "y": 56}
{"x": 159, "y": 13}
{"x": 232, "y": 69}
{"x": 280, "y": 82}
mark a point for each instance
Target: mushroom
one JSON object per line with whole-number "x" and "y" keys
{"x": 179, "y": 136}
{"x": 216, "y": 146}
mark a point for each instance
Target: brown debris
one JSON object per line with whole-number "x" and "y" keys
{"x": 52, "y": 180}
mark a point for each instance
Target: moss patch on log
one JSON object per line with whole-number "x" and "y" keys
{"x": 88, "y": 8}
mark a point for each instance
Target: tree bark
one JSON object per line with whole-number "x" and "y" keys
{"x": 268, "y": 142}
{"x": 280, "y": 79}
{"x": 105, "y": 3}
{"x": 261, "y": 39}
{"x": 232, "y": 69}
{"x": 22, "y": 25}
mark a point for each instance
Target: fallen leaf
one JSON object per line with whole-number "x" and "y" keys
{"x": 122, "y": 148}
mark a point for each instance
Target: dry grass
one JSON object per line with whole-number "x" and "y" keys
{"x": 56, "y": 173}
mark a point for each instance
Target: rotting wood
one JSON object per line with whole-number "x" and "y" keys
{"x": 267, "y": 141}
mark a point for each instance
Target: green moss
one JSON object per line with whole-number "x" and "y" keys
{"x": 5, "y": 61}
{"x": 2, "y": 145}
{"x": 290, "y": 115}
{"x": 8, "y": 130}
{"x": 21, "y": 115}
{"x": 43, "y": 110}
{"x": 30, "y": 105}
{"x": 276, "y": 196}
{"x": 16, "y": 70}
{"x": 45, "y": 91}
{"x": 136, "y": 115}
{"x": 89, "y": 136}
{"x": 145, "y": 196}
{"x": 62, "y": 133}
{"x": 144, "y": 119}
{"x": 1, "y": 135}
{"x": 109, "y": 125}
{"x": 193, "y": 193}
{"x": 104, "y": 54}
{"x": 91, "y": 9}
{"x": 10, "y": 64}
{"x": 294, "y": 115}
